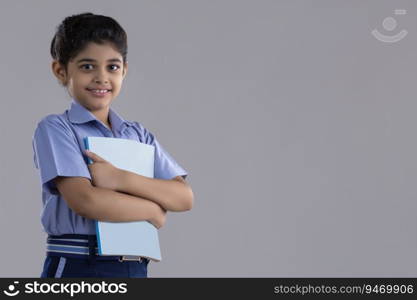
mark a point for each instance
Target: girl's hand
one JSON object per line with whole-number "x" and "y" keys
{"x": 103, "y": 173}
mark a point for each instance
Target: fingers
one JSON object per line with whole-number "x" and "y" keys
{"x": 93, "y": 156}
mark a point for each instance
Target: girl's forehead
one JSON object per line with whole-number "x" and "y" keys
{"x": 99, "y": 52}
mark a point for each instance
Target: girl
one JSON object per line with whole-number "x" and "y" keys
{"x": 89, "y": 59}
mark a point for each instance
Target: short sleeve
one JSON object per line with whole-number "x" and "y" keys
{"x": 57, "y": 153}
{"x": 165, "y": 165}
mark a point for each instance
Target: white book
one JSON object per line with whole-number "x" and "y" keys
{"x": 139, "y": 238}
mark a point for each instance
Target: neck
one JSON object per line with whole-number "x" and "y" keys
{"x": 103, "y": 116}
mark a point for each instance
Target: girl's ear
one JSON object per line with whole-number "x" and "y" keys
{"x": 59, "y": 72}
{"x": 124, "y": 69}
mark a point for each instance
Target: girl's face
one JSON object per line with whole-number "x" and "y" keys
{"x": 96, "y": 68}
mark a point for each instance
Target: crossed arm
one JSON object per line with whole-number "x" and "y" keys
{"x": 172, "y": 195}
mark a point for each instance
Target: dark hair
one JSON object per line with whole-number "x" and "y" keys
{"x": 76, "y": 31}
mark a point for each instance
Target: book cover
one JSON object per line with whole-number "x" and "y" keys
{"x": 126, "y": 238}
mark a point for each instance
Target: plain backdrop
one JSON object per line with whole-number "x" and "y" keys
{"x": 295, "y": 124}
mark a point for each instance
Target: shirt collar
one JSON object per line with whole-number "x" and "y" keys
{"x": 79, "y": 114}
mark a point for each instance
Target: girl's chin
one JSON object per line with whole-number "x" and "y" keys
{"x": 99, "y": 99}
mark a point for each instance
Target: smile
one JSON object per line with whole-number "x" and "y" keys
{"x": 98, "y": 92}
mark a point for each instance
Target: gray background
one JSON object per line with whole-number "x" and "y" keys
{"x": 296, "y": 125}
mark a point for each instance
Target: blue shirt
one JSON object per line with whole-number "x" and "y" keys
{"x": 58, "y": 151}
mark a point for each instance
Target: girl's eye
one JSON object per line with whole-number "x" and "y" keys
{"x": 111, "y": 67}
{"x": 117, "y": 67}
{"x": 82, "y": 67}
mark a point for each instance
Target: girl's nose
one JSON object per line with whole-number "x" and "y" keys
{"x": 101, "y": 77}
{"x": 101, "y": 80}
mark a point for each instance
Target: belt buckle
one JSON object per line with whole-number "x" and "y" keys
{"x": 130, "y": 258}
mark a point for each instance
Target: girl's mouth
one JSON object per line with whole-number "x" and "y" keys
{"x": 99, "y": 93}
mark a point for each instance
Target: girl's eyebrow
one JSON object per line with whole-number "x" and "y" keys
{"x": 93, "y": 60}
